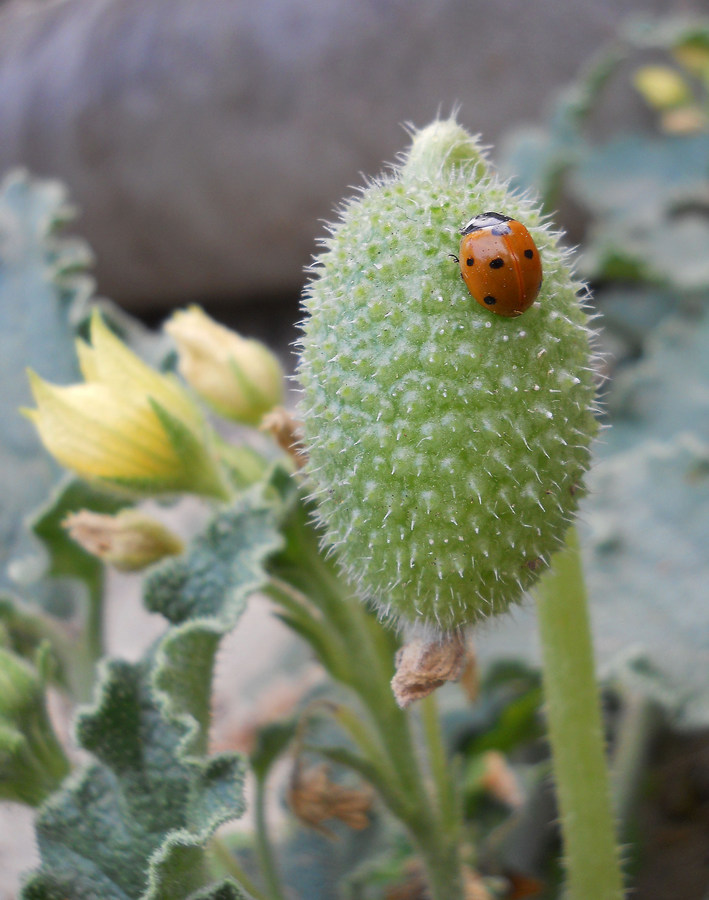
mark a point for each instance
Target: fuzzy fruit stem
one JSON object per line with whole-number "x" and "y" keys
{"x": 575, "y": 730}
{"x": 266, "y": 856}
{"x": 365, "y": 665}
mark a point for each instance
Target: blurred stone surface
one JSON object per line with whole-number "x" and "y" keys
{"x": 203, "y": 142}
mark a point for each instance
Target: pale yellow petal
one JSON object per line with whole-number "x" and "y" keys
{"x": 239, "y": 377}
{"x": 88, "y": 430}
{"x": 118, "y": 366}
{"x": 87, "y": 360}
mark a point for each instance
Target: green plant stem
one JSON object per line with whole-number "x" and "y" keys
{"x": 366, "y": 666}
{"x": 263, "y": 843}
{"x": 228, "y": 863}
{"x": 440, "y": 769}
{"x": 575, "y": 731}
{"x": 93, "y": 642}
{"x": 639, "y": 723}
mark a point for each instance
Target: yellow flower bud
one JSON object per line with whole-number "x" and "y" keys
{"x": 694, "y": 56}
{"x": 127, "y": 425}
{"x": 239, "y": 377}
{"x": 129, "y": 541}
{"x": 661, "y": 87}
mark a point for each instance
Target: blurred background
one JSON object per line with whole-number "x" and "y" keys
{"x": 203, "y": 144}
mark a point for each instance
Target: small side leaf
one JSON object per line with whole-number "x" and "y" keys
{"x": 222, "y": 567}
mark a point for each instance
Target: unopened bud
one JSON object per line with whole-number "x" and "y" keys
{"x": 129, "y": 541}
{"x": 239, "y": 377}
{"x": 126, "y": 426}
{"x": 499, "y": 780}
{"x": 661, "y": 87}
{"x": 282, "y": 425}
{"x": 32, "y": 761}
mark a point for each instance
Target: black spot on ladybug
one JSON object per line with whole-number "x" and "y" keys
{"x": 491, "y": 301}
{"x": 469, "y": 261}
{"x": 529, "y": 253}
{"x": 497, "y": 263}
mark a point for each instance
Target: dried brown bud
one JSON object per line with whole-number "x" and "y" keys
{"x": 129, "y": 541}
{"x": 474, "y": 887}
{"x": 424, "y": 665}
{"x": 500, "y": 781}
{"x": 314, "y": 797}
{"x": 416, "y": 888}
{"x": 285, "y": 430}
{"x": 470, "y": 677}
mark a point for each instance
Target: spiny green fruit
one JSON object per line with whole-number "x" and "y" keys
{"x": 446, "y": 444}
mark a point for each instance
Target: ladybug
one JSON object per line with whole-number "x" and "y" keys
{"x": 500, "y": 263}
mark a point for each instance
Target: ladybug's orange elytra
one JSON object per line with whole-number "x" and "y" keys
{"x": 500, "y": 263}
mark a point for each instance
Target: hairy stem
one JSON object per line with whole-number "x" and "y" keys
{"x": 575, "y": 731}
{"x": 228, "y": 863}
{"x": 440, "y": 768}
{"x": 640, "y": 721}
{"x": 263, "y": 842}
{"x": 365, "y": 664}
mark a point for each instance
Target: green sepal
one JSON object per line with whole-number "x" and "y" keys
{"x": 202, "y": 474}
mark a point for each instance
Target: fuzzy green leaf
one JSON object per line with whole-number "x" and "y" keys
{"x": 43, "y": 290}
{"x": 668, "y": 392}
{"x": 227, "y": 890}
{"x": 222, "y": 567}
{"x": 643, "y": 195}
{"x": 133, "y": 823}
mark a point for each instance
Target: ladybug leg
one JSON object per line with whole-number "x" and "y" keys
{"x": 453, "y": 256}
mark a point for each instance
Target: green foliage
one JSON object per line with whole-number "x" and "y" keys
{"x": 646, "y": 248}
{"x": 221, "y": 568}
{"x": 65, "y": 558}
{"x": 32, "y": 762}
{"x": 647, "y": 224}
{"x": 133, "y": 823}
{"x": 665, "y": 393}
{"x": 639, "y": 195}
{"x": 43, "y": 291}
